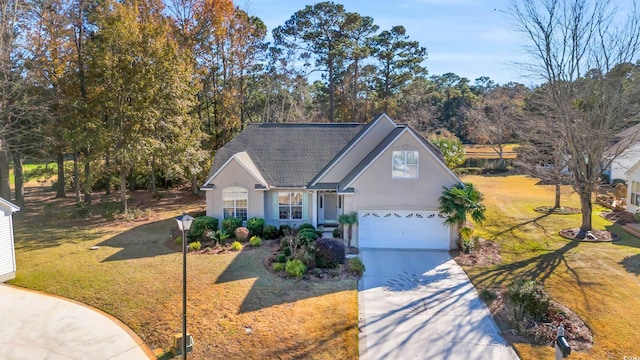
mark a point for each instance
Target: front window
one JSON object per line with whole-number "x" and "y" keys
{"x": 635, "y": 193}
{"x": 405, "y": 165}
{"x": 290, "y": 205}
{"x": 235, "y": 202}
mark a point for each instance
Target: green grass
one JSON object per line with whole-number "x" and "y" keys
{"x": 597, "y": 280}
{"x": 136, "y": 278}
{"x": 36, "y": 172}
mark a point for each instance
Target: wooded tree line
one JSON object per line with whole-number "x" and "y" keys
{"x": 141, "y": 92}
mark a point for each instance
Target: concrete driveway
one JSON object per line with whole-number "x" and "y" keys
{"x": 37, "y": 326}
{"x": 421, "y": 305}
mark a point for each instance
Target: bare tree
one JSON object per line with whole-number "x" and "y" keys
{"x": 585, "y": 60}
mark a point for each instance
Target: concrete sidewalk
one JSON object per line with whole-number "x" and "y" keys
{"x": 421, "y": 305}
{"x": 37, "y": 326}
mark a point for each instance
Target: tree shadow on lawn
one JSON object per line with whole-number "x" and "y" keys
{"x": 511, "y": 230}
{"x": 624, "y": 238}
{"x": 631, "y": 264}
{"x": 141, "y": 242}
{"x": 269, "y": 289}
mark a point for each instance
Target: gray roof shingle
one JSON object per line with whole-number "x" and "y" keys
{"x": 289, "y": 155}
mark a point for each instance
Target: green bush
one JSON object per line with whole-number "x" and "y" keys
{"x": 307, "y": 236}
{"x": 270, "y": 232}
{"x": 467, "y": 171}
{"x": 329, "y": 253}
{"x": 295, "y": 268}
{"x": 282, "y": 258}
{"x": 306, "y": 226}
{"x": 307, "y": 258}
{"x": 195, "y": 246}
{"x": 285, "y": 230}
{"x": 337, "y": 233}
{"x": 220, "y": 236}
{"x": 278, "y": 266}
{"x": 236, "y": 246}
{"x": 178, "y": 240}
{"x": 286, "y": 251}
{"x": 202, "y": 224}
{"x": 488, "y": 295}
{"x": 229, "y": 225}
{"x": 255, "y": 241}
{"x": 355, "y": 266}
{"x": 256, "y": 226}
{"x": 110, "y": 209}
{"x": 468, "y": 245}
{"x": 531, "y": 297}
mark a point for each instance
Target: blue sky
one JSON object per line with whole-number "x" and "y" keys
{"x": 471, "y": 38}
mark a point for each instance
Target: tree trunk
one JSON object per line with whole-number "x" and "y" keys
{"x": 501, "y": 163}
{"x": 194, "y": 184}
{"x": 86, "y": 188}
{"x": 60, "y": 184}
{"x": 76, "y": 176}
{"x": 5, "y": 188}
{"x": 107, "y": 180}
{"x": 123, "y": 190}
{"x": 585, "y": 203}
{"x": 332, "y": 97}
{"x": 19, "y": 179}
{"x": 557, "y": 202}
{"x": 152, "y": 178}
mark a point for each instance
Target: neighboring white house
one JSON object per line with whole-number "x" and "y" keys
{"x": 7, "y": 250}
{"x": 633, "y": 188}
{"x": 625, "y": 152}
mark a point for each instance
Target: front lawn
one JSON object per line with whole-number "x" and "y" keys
{"x": 236, "y": 308}
{"x": 599, "y": 281}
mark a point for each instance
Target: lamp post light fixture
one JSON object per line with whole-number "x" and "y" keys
{"x": 184, "y": 223}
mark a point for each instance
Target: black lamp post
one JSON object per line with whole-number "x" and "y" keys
{"x": 184, "y": 223}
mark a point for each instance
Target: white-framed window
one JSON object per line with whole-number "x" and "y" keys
{"x": 635, "y": 193}
{"x": 235, "y": 202}
{"x": 290, "y": 205}
{"x": 404, "y": 164}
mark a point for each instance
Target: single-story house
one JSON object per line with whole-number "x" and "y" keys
{"x": 7, "y": 249}
{"x": 294, "y": 173}
{"x": 633, "y": 188}
{"x": 622, "y": 154}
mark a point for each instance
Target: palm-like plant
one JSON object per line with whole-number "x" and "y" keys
{"x": 347, "y": 221}
{"x": 460, "y": 201}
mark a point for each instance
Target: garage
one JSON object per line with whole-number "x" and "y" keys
{"x": 402, "y": 230}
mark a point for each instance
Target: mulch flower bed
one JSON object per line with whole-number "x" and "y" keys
{"x": 577, "y": 333}
{"x": 563, "y": 210}
{"x": 619, "y": 217}
{"x": 592, "y": 236}
{"x": 487, "y": 253}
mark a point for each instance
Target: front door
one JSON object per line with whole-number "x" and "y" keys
{"x": 330, "y": 206}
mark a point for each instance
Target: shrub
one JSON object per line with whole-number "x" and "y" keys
{"x": 307, "y": 236}
{"x": 220, "y": 236}
{"x": 337, "y": 233}
{"x": 195, "y": 246}
{"x": 306, "y": 226}
{"x": 295, "y": 268}
{"x": 278, "y": 266}
{"x": 229, "y": 225}
{"x": 286, "y": 251}
{"x": 329, "y": 253}
{"x": 256, "y": 226}
{"x": 307, "y": 258}
{"x": 355, "y": 266}
{"x": 241, "y": 233}
{"x": 530, "y": 297}
{"x": 236, "y": 246}
{"x": 487, "y": 295}
{"x": 285, "y": 230}
{"x": 178, "y": 240}
{"x": 110, "y": 209}
{"x": 270, "y": 232}
{"x": 255, "y": 241}
{"x": 282, "y": 258}
{"x": 201, "y": 224}
{"x": 468, "y": 245}
{"x": 467, "y": 171}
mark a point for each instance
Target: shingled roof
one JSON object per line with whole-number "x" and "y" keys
{"x": 289, "y": 155}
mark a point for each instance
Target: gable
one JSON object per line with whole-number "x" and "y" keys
{"x": 244, "y": 161}
{"x": 375, "y": 132}
{"x": 8, "y": 207}
{"x": 403, "y": 138}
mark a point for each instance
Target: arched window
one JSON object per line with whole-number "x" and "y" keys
{"x": 235, "y": 202}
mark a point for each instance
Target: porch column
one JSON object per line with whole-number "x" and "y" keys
{"x": 314, "y": 209}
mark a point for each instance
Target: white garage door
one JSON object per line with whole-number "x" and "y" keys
{"x": 402, "y": 230}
